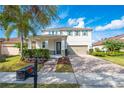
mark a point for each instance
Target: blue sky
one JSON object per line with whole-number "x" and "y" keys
{"x": 106, "y": 21}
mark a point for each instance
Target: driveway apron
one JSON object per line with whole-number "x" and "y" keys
{"x": 95, "y": 72}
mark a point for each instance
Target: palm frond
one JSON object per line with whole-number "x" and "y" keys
{"x": 9, "y": 30}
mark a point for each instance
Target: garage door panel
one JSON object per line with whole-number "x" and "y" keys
{"x": 76, "y": 50}
{"x": 9, "y": 51}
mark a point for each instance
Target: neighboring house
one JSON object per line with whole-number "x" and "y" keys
{"x": 57, "y": 40}
{"x": 7, "y": 47}
{"x": 100, "y": 45}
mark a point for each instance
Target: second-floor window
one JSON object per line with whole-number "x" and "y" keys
{"x": 52, "y": 32}
{"x": 56, "y": 32}
{"x": 77, "y": 33}
{"x": 61, "y": 33}
{"x": 85, "y": 33}
{"x": 70, "y": 33}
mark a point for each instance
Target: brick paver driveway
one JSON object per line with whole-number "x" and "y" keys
{"x": 95, "y": 72}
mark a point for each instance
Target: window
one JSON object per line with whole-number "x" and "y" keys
{"x": 43, "y": 44}
{"x": 77, "y": 33}
{"x": 85, "y": 33}
{"x": 69, "y": 33}
{"x": 52, "y": 32}
{"x": 61, "y": 33}
{"x": 56, "y": 32}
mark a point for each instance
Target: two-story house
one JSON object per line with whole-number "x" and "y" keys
{"x": 57, "y": 40}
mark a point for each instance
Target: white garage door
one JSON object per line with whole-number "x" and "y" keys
{"x": 9, "y": 49}
{"x": 77, "y": 50}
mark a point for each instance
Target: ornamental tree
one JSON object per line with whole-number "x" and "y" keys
{"x": 113, "y": 45}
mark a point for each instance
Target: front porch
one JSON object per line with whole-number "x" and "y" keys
{"x": 57, "y": 45}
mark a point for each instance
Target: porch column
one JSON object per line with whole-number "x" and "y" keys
{"x": 46, "y": 44}
{"x": 41, "y": 44}
{"x": 29, "y": 44}
{"x": 38, "y": 44}
{"x": 63, "y": 46}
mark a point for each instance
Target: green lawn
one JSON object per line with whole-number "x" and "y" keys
{"x": 115, "y": 59}
{"x": 12, "y": 64}
{"x": 64, "y": 68}
{"x": 13, "y": 85}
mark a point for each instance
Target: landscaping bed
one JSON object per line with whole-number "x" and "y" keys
{"x": 14, "y": 85}
{"x": 30, "y": 55}
{"x": 64, "y": 65}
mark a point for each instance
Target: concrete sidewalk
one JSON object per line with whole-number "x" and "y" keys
{"x": 45, "y": 78}
{"x": 46, "y": 75}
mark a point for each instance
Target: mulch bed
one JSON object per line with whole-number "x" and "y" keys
{"x": 63, "y": 60}
{"x": 32, "y": 60}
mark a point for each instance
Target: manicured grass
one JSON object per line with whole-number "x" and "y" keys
{"x": 115, "y": 59}
{"x": 13, "y": 85}
{"x": 64, "y": 68}
{"x": 12, "y": 64}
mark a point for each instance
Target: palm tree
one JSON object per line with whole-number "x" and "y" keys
{"x": 26, "y": 19}
{"x": 17, "y": 20}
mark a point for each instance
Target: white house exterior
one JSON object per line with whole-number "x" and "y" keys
{"x": 57, "y": 40}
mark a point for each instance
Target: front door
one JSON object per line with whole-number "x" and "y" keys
{"x": 58, "y": 47}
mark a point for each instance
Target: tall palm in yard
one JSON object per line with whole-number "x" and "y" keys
{"x": 26, "y": 19}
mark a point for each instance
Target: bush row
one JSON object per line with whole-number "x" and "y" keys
{"x": 102, "y": 54}
{"x": 41, "y": 53}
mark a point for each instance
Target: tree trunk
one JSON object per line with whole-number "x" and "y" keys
{"x": 22, "y": 42}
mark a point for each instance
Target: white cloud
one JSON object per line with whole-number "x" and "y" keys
{"x": 79, "y": 22}
{"x": 114, "y": 24}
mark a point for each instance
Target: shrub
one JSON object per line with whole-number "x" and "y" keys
{"x": 63, "y": 60}
{"x": 101, "y": 54}
{"x": 43, "y": 53}
{"x": 97, "y": 50}
{"x": 2, "y": 58}
{"x": 90, "y": 51}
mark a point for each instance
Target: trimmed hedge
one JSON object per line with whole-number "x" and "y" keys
{"x": 114, "y": 53}
{"x": 102, "y": 54}
{"x": 41, "y": 53}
